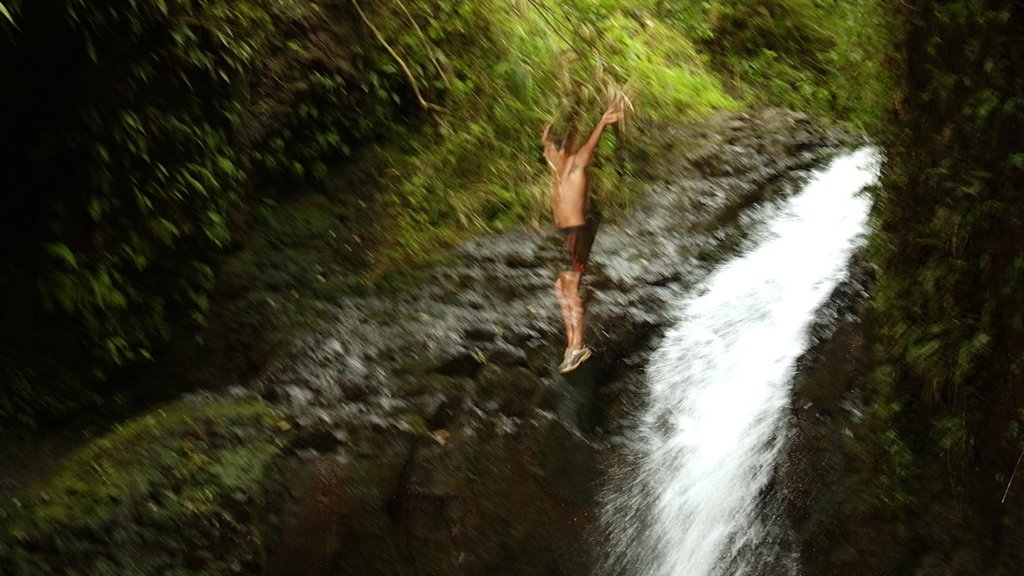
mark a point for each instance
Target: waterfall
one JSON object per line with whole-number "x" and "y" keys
{"x": 694, "y": 496}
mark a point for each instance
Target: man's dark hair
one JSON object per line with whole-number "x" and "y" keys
{"x": 565, "y": 129}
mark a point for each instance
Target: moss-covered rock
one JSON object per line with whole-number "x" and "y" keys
{"x": 179, "y": 490}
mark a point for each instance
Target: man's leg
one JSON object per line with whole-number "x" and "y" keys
{"x": 567, "y": 288}
{"x": 570, "y": 282}
{"x": 565, "y": 306}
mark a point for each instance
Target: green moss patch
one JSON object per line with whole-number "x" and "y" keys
{"x": 177, "y": 491}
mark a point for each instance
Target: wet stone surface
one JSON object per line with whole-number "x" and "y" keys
{"x": 433, "y": 434}
{"x": 828, "y": 405}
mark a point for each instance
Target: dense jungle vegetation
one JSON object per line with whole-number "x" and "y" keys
{"x": 185, "y": 180}
{"x": 940, "y": 479}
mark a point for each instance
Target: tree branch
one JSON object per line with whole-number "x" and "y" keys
{"x": 401, "y": 63}
{"x": 425, "y": 42}
{"x": 1011, "y": 476}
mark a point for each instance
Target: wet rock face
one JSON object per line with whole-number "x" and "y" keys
{"x": 828, "y": 414}
{"x": 433, "y": 435}
{"x": 825, "y": 403}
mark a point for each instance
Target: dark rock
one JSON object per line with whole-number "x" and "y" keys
{"x": 464, "y": 363}
{"x": 329, "y": 515}
{"x": 505, "y": 355}
{"x": 481, "y": 333}
{"x": 462, "y": 506}
{"x": 321, "y": 438}
{"x": 826, "y": 406}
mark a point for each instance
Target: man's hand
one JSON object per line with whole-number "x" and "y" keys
{"x": 614, "y": 113}
{"x": 617, "y": 109}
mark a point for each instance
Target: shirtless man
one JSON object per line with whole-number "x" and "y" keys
{"x": 568, "y": 206}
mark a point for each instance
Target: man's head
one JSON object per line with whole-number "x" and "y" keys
{"x": 563, "y": 131}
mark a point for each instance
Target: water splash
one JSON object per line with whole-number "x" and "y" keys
{"x": 693, "y": 497}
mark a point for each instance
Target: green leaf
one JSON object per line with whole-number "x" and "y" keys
{"x": 6, "y": 13}
{"x": 165, "y": 230}
{"x": 64, "y": 289}
{"x": 61, "y": 251}
{"x": 95, "y": 208}
{"x": 226, "y": 165}
{"x": 91, "y": 49}
{"x": 131, "y": 120}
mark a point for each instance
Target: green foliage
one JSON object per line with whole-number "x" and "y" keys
{"x": 948, "y": 294}
{"x": 892, "y": 482}
{"x": 328, "y": 91}
{"x": 134, "y": 171}
{"x": 821, "y": 56}
{"x": 194, "y": 471}
{"x": 952, "y": 188}
{"x": 161, "y": 172}
{"x": 135, "y": 179}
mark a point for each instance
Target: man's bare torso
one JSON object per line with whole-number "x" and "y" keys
{"x": 569, "y": 189}
{"x": 569, "y": 192}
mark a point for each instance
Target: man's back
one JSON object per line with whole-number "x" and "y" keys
{"x": 569, "y": 192}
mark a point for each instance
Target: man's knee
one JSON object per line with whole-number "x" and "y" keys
{"x": 568, "y": 280}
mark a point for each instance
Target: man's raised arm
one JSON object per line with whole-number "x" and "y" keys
{"x": 612, "y": 115}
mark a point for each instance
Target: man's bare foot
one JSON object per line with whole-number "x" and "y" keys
{"x": 573, "y": 359}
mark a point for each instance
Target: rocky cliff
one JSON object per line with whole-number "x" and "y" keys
{"x": 433, "y": 433}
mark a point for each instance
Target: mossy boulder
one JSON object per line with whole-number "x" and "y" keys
{"x": 176, "y": 491}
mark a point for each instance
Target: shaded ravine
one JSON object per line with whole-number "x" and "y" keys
{"x": 433, "y": 432}
{"x": 696, "y": 496}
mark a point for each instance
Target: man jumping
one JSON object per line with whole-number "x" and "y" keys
{"x": 569, "y": 208}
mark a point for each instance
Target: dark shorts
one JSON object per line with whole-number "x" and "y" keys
{"x": 578, "y": 240}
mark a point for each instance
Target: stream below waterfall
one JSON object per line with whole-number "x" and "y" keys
{"x": 697, "y": 493}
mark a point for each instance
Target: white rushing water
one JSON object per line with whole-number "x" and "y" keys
{"x": 696, "y": 499}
